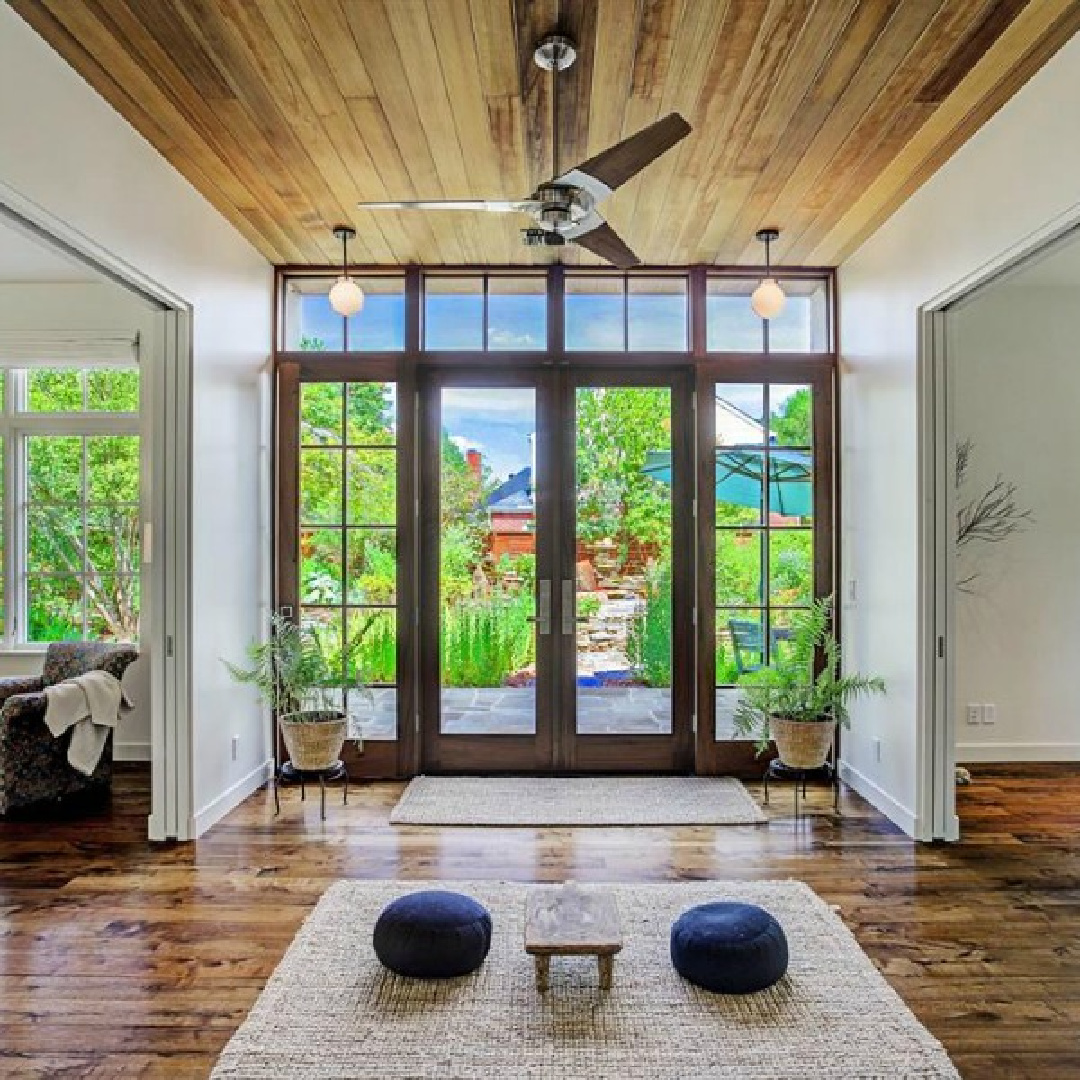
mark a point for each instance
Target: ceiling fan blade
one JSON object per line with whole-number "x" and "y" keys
{"x": 606, "y": 242}
{"x": 618, "y": 163}
{"x": 495, "y": 206}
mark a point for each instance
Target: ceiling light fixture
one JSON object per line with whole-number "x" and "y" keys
{"x": 346, "y": 297}
{"x": 768, "y": 298}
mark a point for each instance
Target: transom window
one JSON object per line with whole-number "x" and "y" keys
{"x": 483, "y": 311}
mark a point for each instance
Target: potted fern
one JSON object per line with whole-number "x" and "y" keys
{"x": 790, "y": 704}
{"x": 301, "y": 683}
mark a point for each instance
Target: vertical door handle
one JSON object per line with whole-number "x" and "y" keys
{"x": 569, "y": 606}
{"x": 542, "y": 618}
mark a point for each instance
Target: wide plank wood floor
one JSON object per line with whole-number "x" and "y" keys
{"x": 119, "y": 958}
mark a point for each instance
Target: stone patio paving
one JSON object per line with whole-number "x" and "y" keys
{"x": 634, "y": 710}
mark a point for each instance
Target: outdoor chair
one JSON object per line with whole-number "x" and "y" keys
{"x": 746, "y": 641}
{"x": 33, "y": 764}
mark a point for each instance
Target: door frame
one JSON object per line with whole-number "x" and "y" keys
{"x": 494, "y": 752}
{"x": 704, "y": 756}
{"x": 556, "y": 746}
{"x": 634, "y": 753}
{"x": 167, "y": 572}
{"x": 730, "y": 757}
{"x": 400, "y": 756}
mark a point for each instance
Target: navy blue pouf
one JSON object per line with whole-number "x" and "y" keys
{"x": 729, "y": 948}
{"x": 433, "y": 935}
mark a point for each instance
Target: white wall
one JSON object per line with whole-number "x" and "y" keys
{"x": 63, "y": 148}
{"x": 104, "y": 306}
{"x": 1015, "y": 356}
{"x": 1020, "y": 173}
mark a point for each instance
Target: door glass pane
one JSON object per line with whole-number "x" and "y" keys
{"x": 657, "y": 314}
{"x": 739, "y": 556}
{"x": 321, "y": 413}
{"x": 487, "y": 561}
{"x": 791, "y": 415}
{"x": 371, "y": 577}
{"x": 371, "y": 414}
{"x": 791, "y": 567}
{"x": 740, "y": 414}
{"x": 624, "y": 545}
{"x": 740, "y": 636}
{"x": 517, "y": 313}
{"x": 454, "y": 313}
{"x": 348, "y": 549}
{"x": 595, "y": 313}
{"x": 765, "y": 531}
{"x": 321, "y": 487}
{"x": 320, "y": 566}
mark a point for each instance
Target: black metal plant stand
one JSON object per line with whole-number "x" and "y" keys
{"x": 778, "y": 771}
{"x": 287, "y": 773}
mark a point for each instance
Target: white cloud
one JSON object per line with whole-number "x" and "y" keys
{"x": 508, "y": 339}
{"x": 465, "y": 444}
{"x": 474, "y": 405}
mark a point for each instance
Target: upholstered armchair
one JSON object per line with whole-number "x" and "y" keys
{"x": 33, "y": 765}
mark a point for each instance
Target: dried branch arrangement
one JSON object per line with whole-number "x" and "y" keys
{"x": 990, "y": 517}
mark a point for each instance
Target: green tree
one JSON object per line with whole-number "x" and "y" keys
{"x": 83, "y": 511}
{"x": 617, "y": 427}
{"x": 792, "y": 423}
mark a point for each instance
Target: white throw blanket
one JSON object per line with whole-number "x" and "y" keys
{"x": 90, "y": 704}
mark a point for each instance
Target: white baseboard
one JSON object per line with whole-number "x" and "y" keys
{"x": 896, "y": 812}
{"x": 232, "y": 797}
{"x": 131, "y": 751}
{"x": 1016, "y": 751}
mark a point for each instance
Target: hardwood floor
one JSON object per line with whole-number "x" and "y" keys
{"x": 118, "y": 958}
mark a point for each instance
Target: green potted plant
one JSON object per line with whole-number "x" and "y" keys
{"x": 796, "y": 703}
{"x": 302, "y": 684}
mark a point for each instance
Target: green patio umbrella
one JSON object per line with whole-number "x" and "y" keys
{"x": 739, "y": 473}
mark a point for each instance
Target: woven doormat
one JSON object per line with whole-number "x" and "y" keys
{"x": 606, "y": 800}
{"x": 332, "y": 1012}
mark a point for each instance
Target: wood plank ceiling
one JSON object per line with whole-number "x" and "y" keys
{"x": 817, "y": 116}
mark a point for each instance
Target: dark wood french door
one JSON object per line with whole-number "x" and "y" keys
{"x": 556, "y": 572}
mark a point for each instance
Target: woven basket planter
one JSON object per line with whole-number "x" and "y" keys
{"x": 315, "y": 741}
{"x": 802, "y": 745}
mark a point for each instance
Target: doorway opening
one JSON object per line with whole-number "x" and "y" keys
{"x": 1000, "y": 371}
{"x": 96, "y": 489}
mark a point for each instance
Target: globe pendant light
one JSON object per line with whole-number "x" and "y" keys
{"x": 768, "y": 298}
{"x": 346, "y": 297}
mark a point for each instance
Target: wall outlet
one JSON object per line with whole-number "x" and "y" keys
{"x": 852, "y": 591}
{"x": 235, "y": 747}
{"x": 974, "y": 714}
{"x": 877, "y": 749}
{"x": 989, "y": 714}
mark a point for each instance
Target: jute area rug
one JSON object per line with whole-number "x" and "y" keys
{"x": 552, "y": 801}
{"x": 332, "y": 1012}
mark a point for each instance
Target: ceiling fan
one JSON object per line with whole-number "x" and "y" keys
{"x": 564, "y": 209}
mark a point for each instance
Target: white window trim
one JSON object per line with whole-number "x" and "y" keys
{"x": 17, "y": 425}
